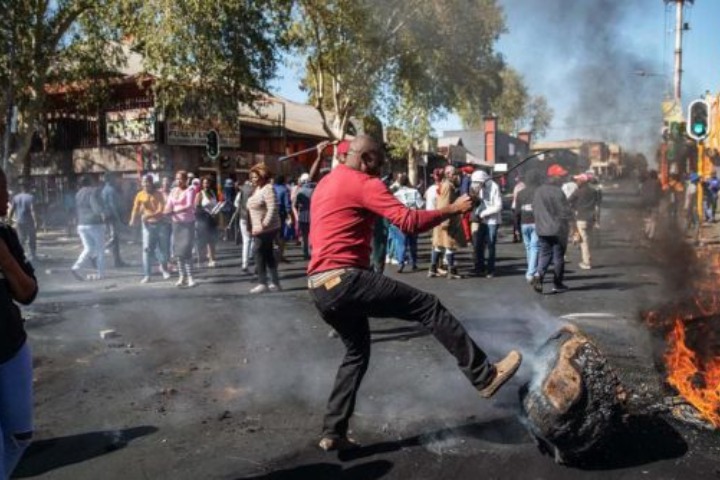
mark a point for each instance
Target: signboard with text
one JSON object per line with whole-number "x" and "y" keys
{"x": 136, "y": 125}
{"x": 193, "y": 133}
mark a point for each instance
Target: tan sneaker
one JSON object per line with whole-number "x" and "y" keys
{"x": 504, "y": 370}
{"x": 330, "y": 444}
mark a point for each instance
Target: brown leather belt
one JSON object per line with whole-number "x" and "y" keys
{"x": 328, "y": 279}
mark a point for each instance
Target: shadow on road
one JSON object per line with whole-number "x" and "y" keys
{"x": 620, "y": 286}
{"x": 46, "y": 455}
{"x": 642, "y": 440}
{"x": 507, "y": 430}
{"x": 328, "y": 471}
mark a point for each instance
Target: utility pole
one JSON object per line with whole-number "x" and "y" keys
{"x": 679, "y": 28}
{"x": 668, "y": 150}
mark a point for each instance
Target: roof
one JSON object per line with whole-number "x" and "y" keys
{"x": 299, "y": 117}
{"x": 447, "y": 141}
{"x": 269, "y": 110}
{"x": 472, "y": 140}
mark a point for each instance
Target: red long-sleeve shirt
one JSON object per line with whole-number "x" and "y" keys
{"x": 343, "y": 210}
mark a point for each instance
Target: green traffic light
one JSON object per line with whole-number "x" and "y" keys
{"x": 699, "y": 120}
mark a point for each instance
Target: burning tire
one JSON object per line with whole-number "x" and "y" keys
{"x": 576, "y": 402}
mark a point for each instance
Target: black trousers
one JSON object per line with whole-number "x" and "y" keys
{"x": 552, "y": 248}
{"x": 264, "y": 256}
{"x": 362, "y": 294}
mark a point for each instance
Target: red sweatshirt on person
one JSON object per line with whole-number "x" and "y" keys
{"x": 343, "y": 210}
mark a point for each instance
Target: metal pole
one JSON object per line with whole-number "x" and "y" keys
{"x": 677, "y": 93}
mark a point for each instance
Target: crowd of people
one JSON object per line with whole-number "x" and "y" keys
{"x": 677, "y": 203}
{"x": 182, "y": 220}
{"x": 549, "y": 209}
{"x": 350, "y": 225}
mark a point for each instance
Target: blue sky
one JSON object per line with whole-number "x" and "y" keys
{"x": 561, "y": 45}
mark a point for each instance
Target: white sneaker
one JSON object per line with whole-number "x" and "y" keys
{"x": 191, "y": 283}
{"x": 212, "y": 264}
{"x": 165, "y": 274}
{"x": 180, "y": 282}
{"x": 145, "y": 280}
{"x": 260, "y": 288}
{"x": 274, "y": 288}
{"x": 584, "y": 266}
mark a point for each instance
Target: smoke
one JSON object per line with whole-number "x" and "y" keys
{"x": 588, "y": 59}
{"x": 411, "y": 385}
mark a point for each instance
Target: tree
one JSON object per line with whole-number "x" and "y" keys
{"x": 35, "y": 32}
{"x": 538, "y": 116}
{"x": 515, "y": 109}
{"x": 411, "y": 126}
{"x": 371, "y": 56}
{"x": 216, "y": 53}
{"x": 207, "y": 54}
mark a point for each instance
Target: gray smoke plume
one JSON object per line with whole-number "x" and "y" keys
{"x": 588, "y": 57}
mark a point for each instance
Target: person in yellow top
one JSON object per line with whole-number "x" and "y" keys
{"x": 149, "y": 205}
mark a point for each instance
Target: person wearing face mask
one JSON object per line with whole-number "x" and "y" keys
{"x": 485, "y": 222}
{"x": 346, "y": 292}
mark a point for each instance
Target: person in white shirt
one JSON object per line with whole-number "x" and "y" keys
{"x": 485, "y": 220}
{"x": 432, "y": 191}
{"x": 406, "y": 244}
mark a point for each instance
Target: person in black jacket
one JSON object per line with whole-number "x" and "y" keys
{"x": 584, "y": 202}
{"x": 552, "y": 224}
{"x": 17, "y": 284}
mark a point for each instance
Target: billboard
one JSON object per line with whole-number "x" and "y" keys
{"x": 136, "y": 125}
{"x": 193, "y": 133}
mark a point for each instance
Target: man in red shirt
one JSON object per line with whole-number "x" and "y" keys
{"x": 346, "y": 292}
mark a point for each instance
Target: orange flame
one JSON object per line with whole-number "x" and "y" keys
{"x": 698, "y": 382}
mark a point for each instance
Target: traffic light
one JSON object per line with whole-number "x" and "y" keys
{"x": 212, "y": 146}
{"x": 698, "y": 124}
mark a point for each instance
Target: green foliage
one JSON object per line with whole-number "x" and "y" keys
{"x": 372, "y": 56}
{"x": 515, "y": 108}
{"x": 211, "y": 53}
{"x": 215, "y": 53}
{"x": 538, "y": 116}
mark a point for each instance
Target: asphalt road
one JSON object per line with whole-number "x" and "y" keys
{"x": 213, "y": 383}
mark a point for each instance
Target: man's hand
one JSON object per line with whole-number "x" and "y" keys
{"x": 462, "y": 204}
{"x": 321, "y": 146}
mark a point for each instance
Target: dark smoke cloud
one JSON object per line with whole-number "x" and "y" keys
{"x": 584, "y": 57}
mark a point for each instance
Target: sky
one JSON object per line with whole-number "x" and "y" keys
{"x": 584, "y": 57}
